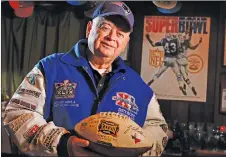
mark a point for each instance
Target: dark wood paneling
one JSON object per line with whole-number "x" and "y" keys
{"x": 182, "y": 110}
{"x": 220, "y": 118}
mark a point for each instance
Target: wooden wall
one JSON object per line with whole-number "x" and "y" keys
{"x": 183, "y": 110}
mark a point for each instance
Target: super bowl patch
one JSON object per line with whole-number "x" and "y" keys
{"x": 31, "y": 132}
{"x": 21, "y": 90}
{"x": 65, "y": 89}
{"x": 126, "y": 101}
{"x": 17, "y": 123}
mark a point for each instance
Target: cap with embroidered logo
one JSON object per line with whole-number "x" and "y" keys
{"x": 115, "y": 8}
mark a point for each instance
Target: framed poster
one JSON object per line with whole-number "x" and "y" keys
{"x": 175, "y": 56}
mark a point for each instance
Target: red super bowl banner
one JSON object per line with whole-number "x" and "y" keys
{"x": 175, "y": 56}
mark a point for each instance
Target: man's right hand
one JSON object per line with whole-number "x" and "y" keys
{"x": 78, "y": 147}
{"x": 149, "y": 39}
{"x": 147, "y": 36}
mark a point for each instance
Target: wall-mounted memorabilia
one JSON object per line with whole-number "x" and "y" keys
{"x": 175, "y": 56}
{"x": 223, "y": 94}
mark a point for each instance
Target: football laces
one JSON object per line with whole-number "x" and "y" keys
{"x": 113, "y": 114}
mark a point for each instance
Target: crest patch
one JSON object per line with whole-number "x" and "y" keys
{"x": 32, "y": 78}
{"x": 65, "y": 90}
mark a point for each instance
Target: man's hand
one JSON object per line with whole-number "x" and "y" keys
{"x": 147, "y": 36}
{"x": 78, "y": 147}
{"x": 200, "y": 40}
{"x": 149, "y": 39}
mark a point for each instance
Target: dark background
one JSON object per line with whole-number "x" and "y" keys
{"x": 56, "y": 28}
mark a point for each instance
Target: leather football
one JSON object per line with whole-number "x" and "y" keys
{"x": 113, "y": 134}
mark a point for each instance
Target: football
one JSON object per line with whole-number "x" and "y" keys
{"x": 113, "y": 134}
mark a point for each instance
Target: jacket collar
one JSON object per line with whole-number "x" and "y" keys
{"x": 76, "y": 57}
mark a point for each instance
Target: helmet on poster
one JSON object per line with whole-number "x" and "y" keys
{"x": 181, "y": 37}
{"x": 168, "y": 36}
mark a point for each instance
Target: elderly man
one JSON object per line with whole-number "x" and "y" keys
{"x": 64, "y": 88}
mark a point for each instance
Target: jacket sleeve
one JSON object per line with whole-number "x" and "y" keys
{"x": 156, "y": 126}
{"x": 24, "y": 119}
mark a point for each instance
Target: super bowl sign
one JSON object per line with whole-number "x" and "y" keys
{"x": 175, "y": 56}
{"x": 168, "y": 24}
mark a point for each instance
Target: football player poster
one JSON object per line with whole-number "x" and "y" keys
{"x": 175, "y": 56}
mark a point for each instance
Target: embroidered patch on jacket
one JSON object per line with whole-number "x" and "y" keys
{"x": 50, "y": 137}
{"x": 31, "y": 78}
{"x": 21, "y": 90}
{"x": 65, "y": 89}
{"x": 31, "y": 132}
{"x": 23, "y": 103}
{"x": 12, "y": 110}
{"x": 17, "y": 123}
{"x": 38, "y": 134}
{"x": 126, "y": 101}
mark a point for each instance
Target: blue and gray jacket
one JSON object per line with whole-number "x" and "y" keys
{"x": 60, "y": 91}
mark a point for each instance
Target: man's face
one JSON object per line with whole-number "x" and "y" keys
{"x": 107, "y": 37}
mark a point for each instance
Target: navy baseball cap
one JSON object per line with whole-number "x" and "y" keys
{"x": 115, "y": 8}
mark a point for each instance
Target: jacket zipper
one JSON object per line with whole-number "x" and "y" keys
{"x": 92, "y": 82}
{"x": 109, "y": 87}
{"x": 95, "y": 86}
